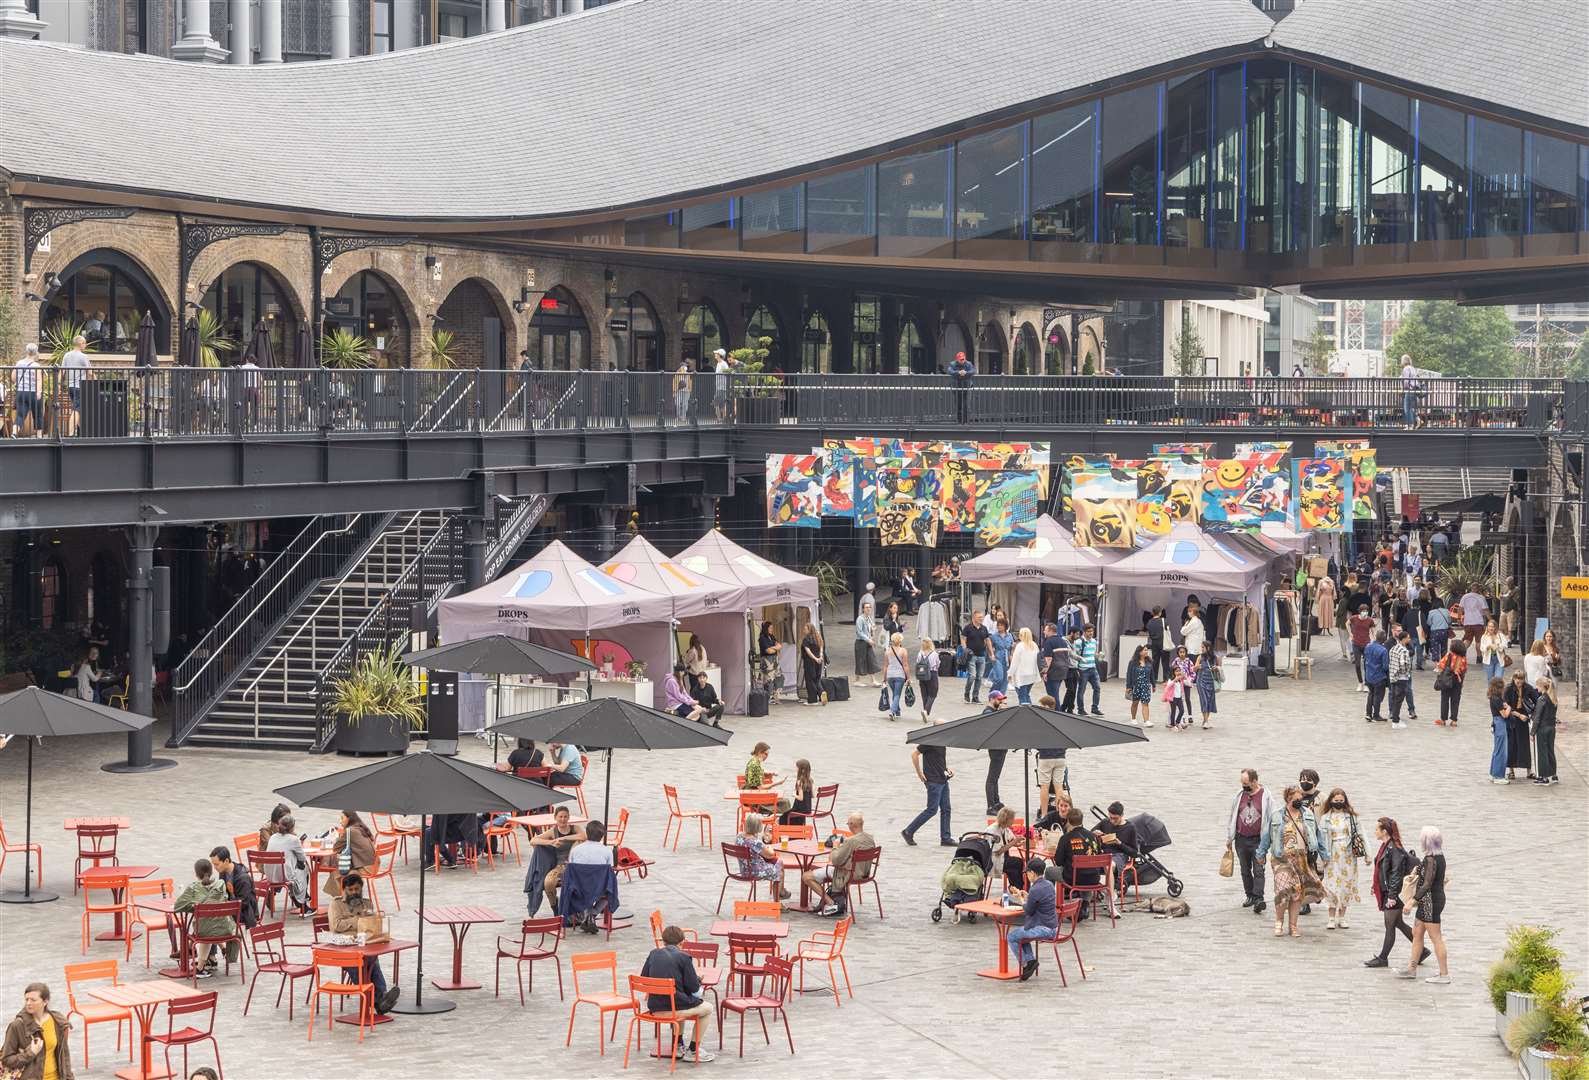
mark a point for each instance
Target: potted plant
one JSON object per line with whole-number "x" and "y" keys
{"x": 607, "y": 660}
{"x": 760, "y": 392}
{"x": 635, "y": 670}
{"x": 343, "y": 349}
{"x": 1550, "y": 1040}
{"x": 831, "y": 584}
{"x": 443, "y": 349}
{"x": 1530, "y": 950}
{"x": 377, "y": 705}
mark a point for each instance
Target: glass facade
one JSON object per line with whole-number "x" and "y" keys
{"x": 1264, "y": 163}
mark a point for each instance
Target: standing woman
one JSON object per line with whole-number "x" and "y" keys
{"x": 927, "y": 677}
{"x": 1552, "y": 653}
{"x": 1338, "y": 830}
{"x": 1431, "y": 901}
{"x": 1207, "y": 669}
{"x": 1291, "y": 840}
{"x": 1003, "y": 643}
{"x": 695, "y": 660}
{"x": 1492, "y": 651}
{"x": 865, "y": 658}
{"x": 892, "y": 623}
{"x": 1449, "y": 673}
{"x": 354, "y": 851}
{"x": 1536, "y": 665}
{"x": 1498, "y": 713}
{"x": 896, "y": 669}
{"x": 1520, "y": 699}
{"x": 1139, "y": 683}
{"x": 1193, "y": 632}
{"x": 811, "y": 660}
{"x": 1324, "y": 605}
{"x": 1543, "y": 723}
{"x": 35, "y": 1042}
{"x": 1391, "y": 863}
{"x": 1023, "y": 665}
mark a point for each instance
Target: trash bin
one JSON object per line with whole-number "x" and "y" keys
{"x": 104, "y": 408}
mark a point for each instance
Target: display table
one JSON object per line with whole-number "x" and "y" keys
{"x": 528, "y": 696}
{"x": 1126, "y": 649}
{"x": 1235, "y": 668}
{"x": 640, "y": 691}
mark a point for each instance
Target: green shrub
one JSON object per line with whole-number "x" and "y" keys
{"x": 1530, "y": 950}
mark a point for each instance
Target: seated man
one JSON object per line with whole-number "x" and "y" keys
{"x": 1077, "y": 840}
{"x": 706, "y": 695}
{"x": 525, "y": 755}
{"x": 549, "y": 851}
{"x": 670, "y": 962}
{"x": 835, "y": 877}
{"x": 1042, "y": 917}
{"x": 239, "y": 884}
{"x": 1118, "y": 839}
{"x": 763, "y": 864}
{"x": 570, "y": 770}
{"x": 345, "y": 912}
{"x": 583, "y": 896}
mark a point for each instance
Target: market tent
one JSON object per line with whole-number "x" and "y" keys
{"x": 702, "y": 605}
{"x": 767, "y": 585}
{"x": 559, "y": 600}
{"x": 1051, "y": 557}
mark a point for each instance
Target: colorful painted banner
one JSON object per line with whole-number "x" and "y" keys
{"x": 1241, "y": 493}
{"x": 1248, "y": 449}
{"x": 1319, "y": 488}
{"x": 1105, "y": 504}
{"x": 1076, "y": 463}
{"x": 1008, "y": 506}
{"x": 907, "y": 506}
{"x": 1337, "y": 447}
{"x": 838, "y": 484}
{"x": 1153, "y": 492}
{"x": 1195, "y": 449}
{"x": 1365, "y": 467}
{"x": 1184, "y": 500}
{"x": 794, "y": 490}
{"x": 961, "y": 483}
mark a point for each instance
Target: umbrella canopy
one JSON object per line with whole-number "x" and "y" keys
{"x": 260, "y": 348}
{"x": 145, "y": 351}
{"x": 31, "y": 711}
{"x": 498, "y": 654}
{"x": 612, "y": 723}
{"x": 422, "y": 783}
{"x": 693, "y": 592}
{"x": 188, "y": 349}
{"x": 304, "y": 350}
{"x": 556, "y": 590}
{"x": 1026, "y": 727}
{"x": 1052, "y": 555}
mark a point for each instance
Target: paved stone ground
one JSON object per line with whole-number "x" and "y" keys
{"x": 1212, "y": 995}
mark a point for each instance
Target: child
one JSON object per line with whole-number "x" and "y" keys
{"x": 1175, "y": 689}
{"x": 207, "y": 889}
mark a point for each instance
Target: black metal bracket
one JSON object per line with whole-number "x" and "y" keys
{"x": 328, "y": 248}
{"x": 39, "y": 221}
{"x": 198, "y": 235}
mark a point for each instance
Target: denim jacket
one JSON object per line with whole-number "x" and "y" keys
{"x": 1318, "y": 843}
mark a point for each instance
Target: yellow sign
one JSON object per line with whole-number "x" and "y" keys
{"x": 1575, "y": 588}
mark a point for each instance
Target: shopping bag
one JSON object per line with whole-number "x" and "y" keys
{"x": 1227, "y": 862}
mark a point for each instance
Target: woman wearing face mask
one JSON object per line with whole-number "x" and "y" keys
{"x": 1291, "y": 840}
{"x": 1338, "y": 829}
{"x": 1391, "y": 863}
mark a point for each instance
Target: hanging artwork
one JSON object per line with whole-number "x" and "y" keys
{"x": 1320, "y": 494}
{"x": 1153, "y": 492}
{"x": 1365, "y": 467}
{"x": 1337, "y": 447}
{"x": 794, "y": 490}
{"x": 1248, "y": 449}
{"x": 961, "y": 482}
{"x": 1195, "y": 449}
{"x": 1007, "y": 506}
{"x": 1184, "y": 499}
{"x": 1072, "y": 464}
{"x": 866, "y": 490}
{"x": 907, "y": 506}
{"x": 1105, "y": 504}
{"x": 1241, "y": 493}
{"x": 838, "y": 484}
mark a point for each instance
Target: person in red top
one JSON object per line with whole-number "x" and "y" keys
{"x": 1456, "y": 662}
{"x": 1361, "y": 626}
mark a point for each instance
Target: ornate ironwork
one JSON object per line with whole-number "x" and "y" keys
{"x": 330, "y": 247}
{"x": 198, "y": 235}
{"x": 39, "y": 221}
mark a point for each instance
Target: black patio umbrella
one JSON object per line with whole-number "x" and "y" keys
{"x": 144, "y": 351}
{"x": 188, "y": 347}
{"x": 1026, "y": 728}
{"x": 304, "y": 350}
{"x": 499, "y": 655}
{"x": 422, "y": 783}
{"x": 260, "y": 348}
{"x": 31, "y": 713}
{"x": 612, "y": 724}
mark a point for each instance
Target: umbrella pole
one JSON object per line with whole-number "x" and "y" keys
{"x": 496, "y": 745}
{"x": 1026, "y": 778}
{"x": 27, "y": 895}
{"x": 606, "y": 821}
{"x": 419, "y": 1006}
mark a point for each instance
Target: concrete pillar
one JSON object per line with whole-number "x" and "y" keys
{"x": 270, "y": 31}
{"x": 496, "y": 15}
{"x": 242, "y": 34}
{"x": 863, "y": 564}
{"x": 405, "y": 24}
{"x": 606, "y": 532}
{"x": 17, "y": 22}
{"x": 474, "y": 539}
{"x": 708, "y": 513}
{"x": 340, "y": 39}
{"x": 140, "y": 652}
{"x": 197, "y": 45}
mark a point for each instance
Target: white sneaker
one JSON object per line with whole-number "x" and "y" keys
{"x": 1147, "y": 723}
{"x": 1439, "y": 980}
{"x": 1331, "y": 924}
{"x": 1341, "y": 923}
{"x": 1499, "y": 780}
{"x": 1362, "y": 688}
{"x": 1399, "y": 726}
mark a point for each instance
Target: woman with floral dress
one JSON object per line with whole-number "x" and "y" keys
{"x": 1139, "y": 684}
{"x": 1291, "y": 841}
{"x": 1339, "y": 835}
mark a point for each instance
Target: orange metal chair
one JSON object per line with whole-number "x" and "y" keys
{"x": 95, "y": 844}
{"x": 793, "y": 832}
{"x": 95, "y": 1012}
{"x": 342, "y": 961}
{"x": 385, "y": 858}
{"x": 870, "y": 858}
{"x": 221, "y": 909}
{"x": 778, "y": 973}
{"x": 827, "y": 946}
{"x": 387, "y": 828}
{"x": 626, "y": 864}
{"x": 8, "y": 848}
{"x": 758, "y": 909}
{"x": 657, "y": 925}
{"x": 188, "y": 1035}
{"x": 641, "y": 987}
{"x": 579, "y": 788}
{"x": 150, "y": 921}
{"x": 763, "y": 803}
{"x": 107, "y": 896}
{"x": 269, "y": 945}
{"x": 1069, "y": 912}
{"x": 675, "y": 814}
{"x": 606, "y": 1001}
{"x": 822, "y": 806}
{"x": 243, "y": 843}
{"x": 521, "y": 952}
{"x": 1100, "y": 863}
{"x": 509, "y": 835}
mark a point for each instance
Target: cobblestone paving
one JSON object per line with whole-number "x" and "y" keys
{"x": 1209, "y": 996}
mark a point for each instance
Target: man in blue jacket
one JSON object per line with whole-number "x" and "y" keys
{"x": 671, "y": 962}
{"x": 1041, "y": 922}
{"x": 1376, "y": 673}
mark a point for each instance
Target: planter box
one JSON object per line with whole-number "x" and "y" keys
{"x": 1517, "y": 1004}
{"x": 760, "y": 410}
{"x": 372, "y": 735}
{"x": 1534, "y": 1064}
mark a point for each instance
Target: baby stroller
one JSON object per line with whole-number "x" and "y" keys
{"x": 966, "y": 878}
{"x": 1151, "y": 835}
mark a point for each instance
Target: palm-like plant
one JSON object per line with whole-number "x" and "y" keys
{"x": 58, "y": 338}
{"x": 1471, "y": 569}
{"x": 212, "y": 339}
{"x": 442, "y": 343}
{"x": 379, "y": 685}
{"x": 344, "y": 349}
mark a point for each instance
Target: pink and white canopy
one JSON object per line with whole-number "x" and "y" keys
{"x": 693, "y": 591}
{"x": 1189, "y": 558}
{"x": 715, "y": 555}
{"x": 556, "y": 590}
{"x": 1051, "y": 556}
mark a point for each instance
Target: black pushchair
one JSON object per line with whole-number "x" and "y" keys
{"x": 978, "y": 847}
{"x": 1151, "y": 836}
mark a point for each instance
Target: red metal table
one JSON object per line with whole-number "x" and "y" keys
{"x": 394, "y": 949}
{"x": 178, "y": 924}
{"x": 99, "y": 873}
{"x": 75, "y": 823}
{"x": 1002, "y": 918}
{"x": 143, "y": 998}
{"x": 458, "y": 919}
{"x": 801, "y": 855}
{"x": 725, "y": 927}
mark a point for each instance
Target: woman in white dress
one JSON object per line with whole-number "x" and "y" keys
{"x": 1023, "y": 665}
{"x": 1338, "y": 827}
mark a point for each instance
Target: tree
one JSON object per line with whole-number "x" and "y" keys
{"x": 1578, "y": 366}
{"x": 1551, "y": 357}
{"x": 10, "y": 329}
{"x": 1317, "y": 352}
{"x": 1186, "y": 350}
{"x": 1444, "y": 336}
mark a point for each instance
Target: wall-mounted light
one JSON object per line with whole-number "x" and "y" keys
{"x": 518, "y": 307}
{"x": 51, "y": 280}
{"x": 430, "y": 262}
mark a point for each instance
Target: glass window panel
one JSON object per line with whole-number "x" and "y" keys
{"x": 913, "y": 204}
{"x": 1225, "y": 173}
{"x": 771, "y": 212}
{"x": 990, "y": 180}
{"x": 1335, "y": 162}
{"x": 658, "y": 230}
{"x": 1063, "y": 157}
{"x": 841, "y": 214}
{"x": 763, "y": 325}
{"x": 703, "y": 334}
{"x": 1186, "y": 162}
{"x": 1442, "y": 210}
{"x": 1267, "y": 97}
{"x": 712, "y": 225}
{"x": 1497, "y": 155}
{"x": 1129, "y": 167}
{"x": 1554, "y": 197}
{"x": 815, "y": 345}
{"x": 1387, "y": 158}
{"x": 914, "y": 353}
{"x": 864, "y": 338}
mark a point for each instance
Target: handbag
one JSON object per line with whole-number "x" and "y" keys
{"x": 1444, "y": 680}
{"x": 883, "y": 703}
{"x": 1359, "y": 849}
{"x": 910, "y": 696}
{"x": 1227, "y": 862}
{"x": 1409, "y": 886}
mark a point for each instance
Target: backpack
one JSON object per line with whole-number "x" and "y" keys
{"x": 923, "y": 669}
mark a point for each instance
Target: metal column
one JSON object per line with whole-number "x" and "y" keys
{"x": 140, "y": 634}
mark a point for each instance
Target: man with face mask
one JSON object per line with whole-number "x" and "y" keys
{"x": 1250, "y": 811}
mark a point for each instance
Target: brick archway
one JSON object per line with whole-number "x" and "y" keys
{"x": 131, "y": 268}
{"x": 464, "y": 312}
{"x": 399, "y": 354}
{"x": 281, "y": 256}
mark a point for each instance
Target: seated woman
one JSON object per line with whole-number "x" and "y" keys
{"x": 549, "y": 850}
{"x": 804, "y": 791}
{"x": 676, "y": 699}
{"x": 526, "y": 756}
{"x": 756, "y": 776}
{"x": 1007, "y": 847}
{"x": 295, "y": 864}
{"x": 763, "y": 864}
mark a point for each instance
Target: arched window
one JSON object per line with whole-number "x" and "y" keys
{"x": 636, "y": 334}
{"x": 1056, "y": 352}
{"x": 816, "y": 345}
{"x": 247, "y": 294}
{"x": 990, "y": 349}
{"x": 367, "y": 305}
{"x": 1025, "y": 360}
{"x": 764, "y": 326}
{"x": 52, "y": 595}
{"x": 955, "y": 340}
{"x": 559, "y": 334}
{"x": 704, "y": 334}
{"x": 103, "y": 295}
{"x": 865, "y": 336}
{"x": 915, "y": 349}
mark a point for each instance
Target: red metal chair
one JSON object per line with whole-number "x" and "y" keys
{"x": 870, "y": 857}
{"x": 221, "y": 909}
{"x": 605, "y": 1001}
{"x": 270, "y": 958}
{"x": 521, "y": 952}
{"x": 735, "y": 856}
{"x": 269, "y": 870}
{"x": 704, "y": 819}
{"x": 822, "y": 806}
{"x": 188, "y": 1035}
{"x": 95, "y": 1012}
{"x": 626, "y": 862}
{"x": 1100, "y": 863}
{"x": 95, "y": 844}
{"x": 1069, "y": 911}
{"x": 342, "y": 961}
{"x": 778, "y": 973}
{"x": 8, "y": 848}
{"x": 828, "y": 946}
{"x": 747, "y": 957}
{"x": 107, "y": 896}
{"x": 704, "y": 953}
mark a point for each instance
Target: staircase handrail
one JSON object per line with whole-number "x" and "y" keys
{"x": 512, "y": 532}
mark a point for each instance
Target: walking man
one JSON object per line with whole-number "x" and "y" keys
{"x": 720, "y": 379}
{"x": 1439, "y": 621}
{"x": 978, "y": 644}
{"x": 1087, "y": 670}
{"x": 1475, "y": 609}
{"x": 933, "y": 772}
{"x": 1376, "y": 672}
{"x": 995, "y": 761}
{"x": 1250, "y": 810}
{"x": 1361, "y": 627}
{"x": 1056, "y": 660}
{"x": 1161, "y": 655}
